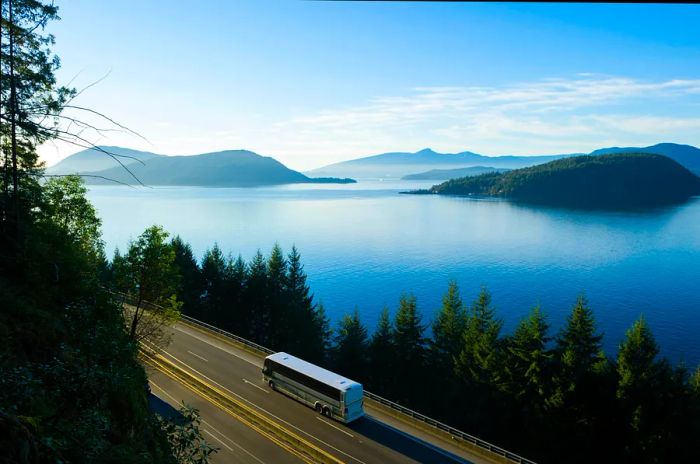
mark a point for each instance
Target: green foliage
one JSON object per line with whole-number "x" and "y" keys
{"x": 636, "y": 360}
{"x": 381, "y": 357}
{"x": 67, "y": 208}
{"x": 350, "y": 350}
{"x": 185, "y": 439}
{"x": 147, "y": 273}
{"x": 448, "y": 329}
{"x": 527, "y": 360}
{"x": 478, "y": 361}
{"x": 627, "y": 180}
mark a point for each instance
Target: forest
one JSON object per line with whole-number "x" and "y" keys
{"x": 609, "y": 181}
{"x": 547, "y": 396}
{"x": 72, "y": 387}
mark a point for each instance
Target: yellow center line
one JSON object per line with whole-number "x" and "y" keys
{"x": 233, "y": 414}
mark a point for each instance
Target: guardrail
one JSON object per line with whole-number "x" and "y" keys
{"x": 455, "y": 433}
{"x": 248, "y": 343}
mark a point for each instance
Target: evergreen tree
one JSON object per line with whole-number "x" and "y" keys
{"x": 256, "y": 301}
{"x": 319, "y": 351}
{"x": 280, "y": 319}
{"x": 190, "y": 287}
{"x": 653, "y": 397}
{"x": 31, "y": 103}
{"x": 448, "y": 330}
{"x": 350, "y": 350}
{"x": 582, "y": 386}
{"x": 382, "y": 359}
{"x": 213, "y": 275}
{"x": 527, "y": 360}
{"x": 479, "y": 359}
{"x": 636, "y": 361}
{"x": 577, "y": 352}
{"x": 236, "y": 314}
{"x": 304, "y": 335}
{"x": 410, "y": 352}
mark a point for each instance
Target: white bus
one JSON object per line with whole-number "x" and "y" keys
{"x": 329, "y": 393}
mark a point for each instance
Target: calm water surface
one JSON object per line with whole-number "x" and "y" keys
{"x": 364, "y": 244}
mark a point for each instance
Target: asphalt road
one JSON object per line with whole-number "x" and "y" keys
{"x": 236, "y": 442}
{"x": 376, "y": 438}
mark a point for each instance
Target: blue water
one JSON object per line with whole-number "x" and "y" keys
{"x": 364, "y": 244}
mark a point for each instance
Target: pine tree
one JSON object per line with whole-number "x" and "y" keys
{"x": 190, "y": 288}
{"x": 213, "y": 276}
{"x": 382, "y": 358}
{"x": 319, "y": 351}
{"x": 448, "y": 330}
{"x": 303, "y": 336}
{"x": 582, "y": 386}
{"x": 255, "y": 300}
{"x": 237, "y": 316}
{"x": 577, "y": 351}
{"x": 527, "y": 360}
{"x": 350, "y": 350}
{"x": 410, "y": 351}
{"x": 279, "y": 314}
{"x": 479, "y": 359}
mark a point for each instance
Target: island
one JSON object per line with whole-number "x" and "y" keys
{"x": 614, "y": 181}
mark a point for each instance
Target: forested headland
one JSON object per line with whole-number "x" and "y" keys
{"x": 613, "y": 181}
{"x": 553, "y": 397}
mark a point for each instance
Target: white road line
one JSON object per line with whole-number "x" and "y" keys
{"x": 198, "y": 356}
{"x": 211, "y": 427}
{"x": 254, "y": 385}
{"x": 232, "y": 442}
{"x": 166, "y": 393}
{"x": 335, "y": 427}
{"x": 264, "y": 410}
{"x": 217, "y": 439}
{"x": 216, "y": 346}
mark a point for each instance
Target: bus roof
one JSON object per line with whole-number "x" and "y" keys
{"x": 312, "y": 370}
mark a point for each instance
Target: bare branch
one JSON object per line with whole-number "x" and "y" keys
{"x": 86, "y": 175}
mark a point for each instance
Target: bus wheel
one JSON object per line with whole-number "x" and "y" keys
{"x": 326, "y": 411}
{"x": 271, "y": 384}
{"x": 317, "y": 406}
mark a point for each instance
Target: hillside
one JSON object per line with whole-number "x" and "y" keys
{"x": 616, "y": 181}
{"x": 687, "y": 155}
{"x": 399, "y": 164}
{"x": 231, "y": 168}
{"x": 446, "y": 174}
{"x": 95, "y": 159}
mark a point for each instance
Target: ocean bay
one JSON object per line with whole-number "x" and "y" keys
{"x": 364, "y": 244}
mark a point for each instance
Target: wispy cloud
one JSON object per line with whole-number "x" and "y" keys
{"x": 576, "y": 114}
{"x": 560, "y": 114}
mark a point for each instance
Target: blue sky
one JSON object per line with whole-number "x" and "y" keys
{"x": 312, "y": 83}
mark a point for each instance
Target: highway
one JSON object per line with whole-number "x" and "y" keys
{"x": 376, "y": 438}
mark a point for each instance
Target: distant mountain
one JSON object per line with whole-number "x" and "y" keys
{"x": 231, "y": 168}
{"x": 399, "y": 164}
{"x": 612, "y": 181}
{"x": 446, "y": 174}
{"x": 687, "y": 155}
{"x": 95, "y": 159}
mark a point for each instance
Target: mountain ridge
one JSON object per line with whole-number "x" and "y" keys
{"x": 226, "y": 168}
{"x": 400, "y": 164}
